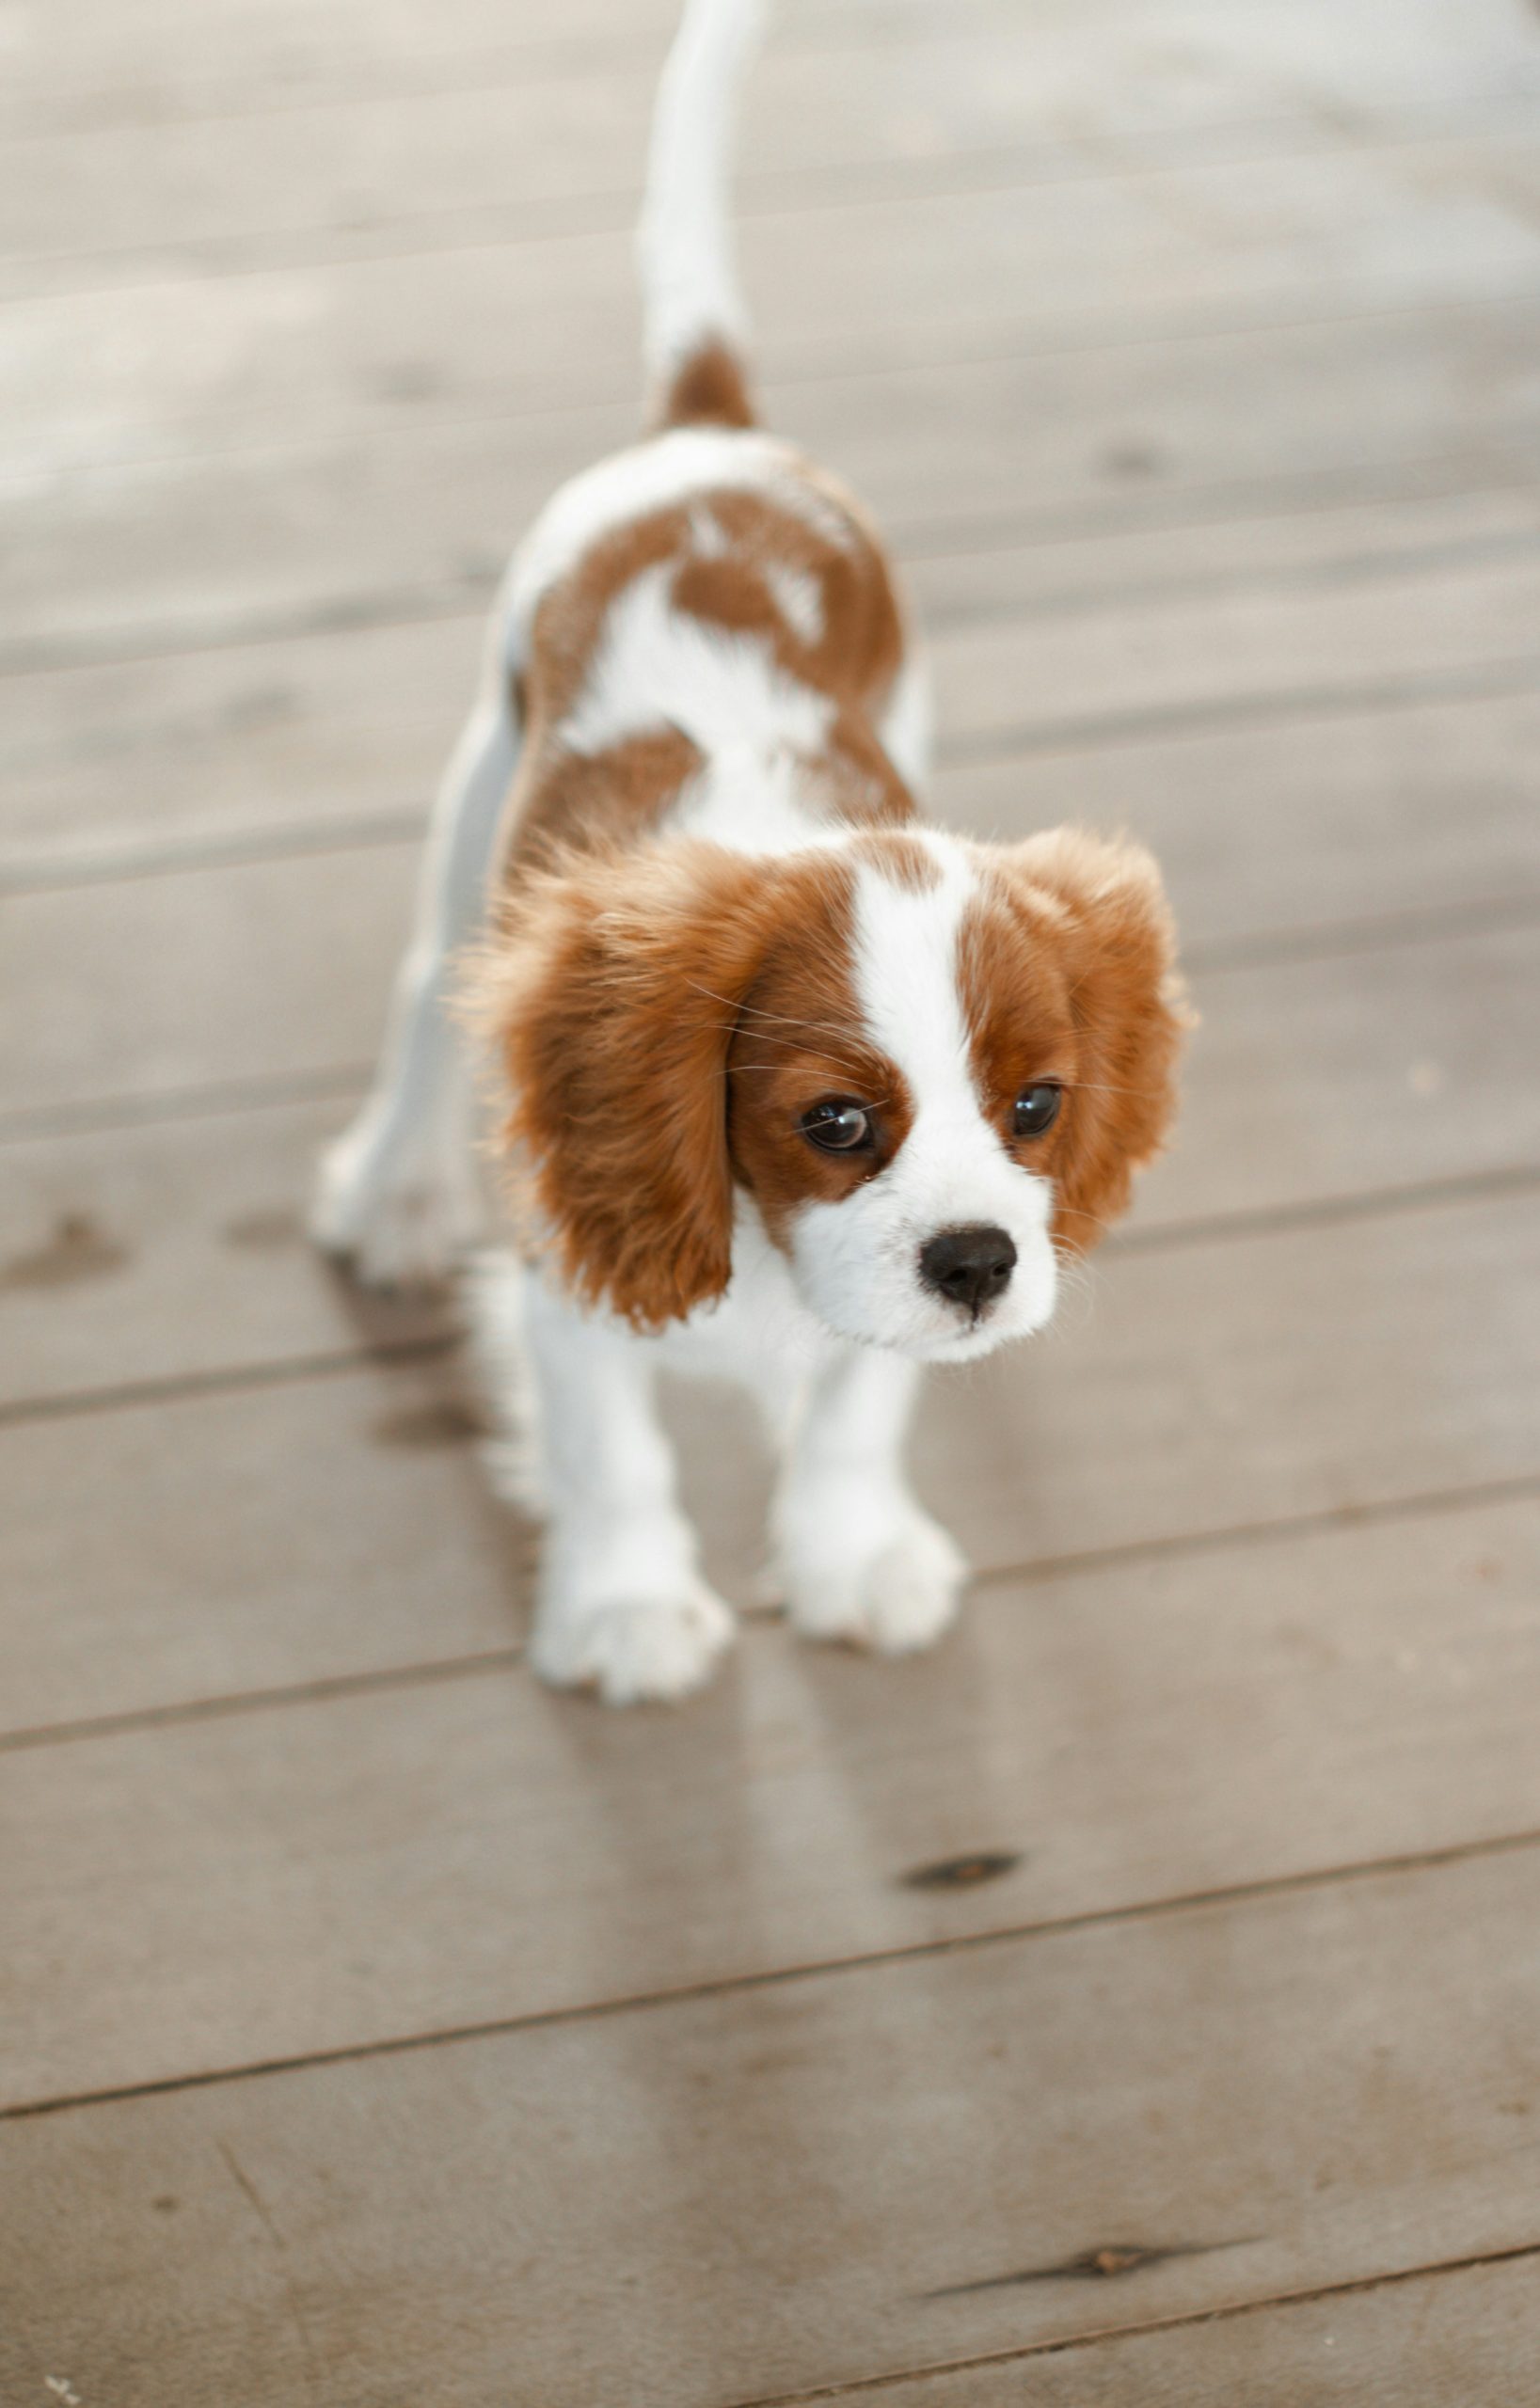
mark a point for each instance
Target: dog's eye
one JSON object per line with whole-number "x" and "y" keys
{"x": 837, "y": 1125}
{"x": 1037, "y": 1109}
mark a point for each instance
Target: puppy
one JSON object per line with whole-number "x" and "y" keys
{"x": 794, "y": 1088}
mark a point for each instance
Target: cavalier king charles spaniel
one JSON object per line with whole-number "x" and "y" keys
{"x": 788, "y": 1085}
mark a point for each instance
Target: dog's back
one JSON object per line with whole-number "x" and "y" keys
{"x": 708, "y": 595}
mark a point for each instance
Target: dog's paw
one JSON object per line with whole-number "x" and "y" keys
{"x": 633, "y": 1650}
{"x": 895, "y": 1596}
{"x": 395, "y": 1217}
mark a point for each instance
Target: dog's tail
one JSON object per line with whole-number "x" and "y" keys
{"x": 696, "y": 325}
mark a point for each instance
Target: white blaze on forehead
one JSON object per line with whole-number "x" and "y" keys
{"x": 906, "y": 979}
{"x": 857, "y": 1259}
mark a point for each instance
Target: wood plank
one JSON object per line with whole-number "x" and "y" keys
{"x": 1324, "y": 1372}
{"x": 1002, "y": 680}
{"x": 291, "y": 958}
{"x": 1356, "y": 816}
{"x": 199, "y": 363}
{"x": 177, "y": 1250}
{"x": 105, "y": 67}
{"x": 1351, "y": 1696}
{"x": 1339, "y": 1078}
{"x": 139, "y": 61}
{"x": 718, "y": 2200}
{"x": 1319, "y": 1375}
{"x": 326, "y": 1529}
{"x": 563, "y": 152}
{"x": 410, "y": 511}
{"x": 1465, "y": 2339}
{"x": 112, "y": 765}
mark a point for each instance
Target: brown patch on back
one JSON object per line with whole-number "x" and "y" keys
{"x": 856, "y": 655}
{"x": 723, "y": 550}
{"x": 1067, "y": 975}
{"x": 709, "y": 389}
{"x": 595, "y": 798}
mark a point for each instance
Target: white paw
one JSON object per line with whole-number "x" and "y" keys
{"x": 652, "y": 1647}
{"x": 895, "y": 1596}
{"x": 398, "y": 1218}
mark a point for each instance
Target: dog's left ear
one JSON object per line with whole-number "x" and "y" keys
{"x": 608, "y": 997}
{"x": 1130, "y": 1013}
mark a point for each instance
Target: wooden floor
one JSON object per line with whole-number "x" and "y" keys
{"x": 1137, "y": 2004}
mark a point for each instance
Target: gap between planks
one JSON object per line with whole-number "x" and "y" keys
{"x": 1227, "y": 1895}
{"x": 826, "y": 187}
{"x": 1437, "y": 477}
{"x": 1267, "y": 1220}
{"x": 869, "y": 2386}
{"x": 1034, "y": 1572}
{"x": 977, "y": 342}
{"x": 1098, "y": 731}
{"x": 505, "y": 64}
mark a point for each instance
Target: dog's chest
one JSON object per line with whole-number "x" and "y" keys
{"x": 759, "y": 1335}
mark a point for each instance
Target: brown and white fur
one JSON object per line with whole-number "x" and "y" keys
{"x": 794, "y": 1086}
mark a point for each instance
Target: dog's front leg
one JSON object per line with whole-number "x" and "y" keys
{"x": 621, "y": 1601}
{"x": 858, "y": 1558}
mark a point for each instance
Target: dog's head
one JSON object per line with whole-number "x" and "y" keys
{"x": 930, "y": 1064}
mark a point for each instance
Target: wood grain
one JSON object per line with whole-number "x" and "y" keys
{"x": 1466, "y": 2338}
{"x": 1324, "y": 1372}
{"x": 1100, "y": 1741}
{"x": 544, "y": 144}
{"x": 418, "y": 492}
{"x": 1134, "y": 2003}
{"x": 814, "y": 2182}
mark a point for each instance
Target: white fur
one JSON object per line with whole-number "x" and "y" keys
{"x": 621, "y": 1605}
{"x": 659, "y": 667}
{"x": 799, "y": 597}
{"x": 620, "y": 1602}
{"x": 690, "y": 290}
{"x": 906, "y": 731}
{"x": 750, "y": 799}
{"x": 857, "y": 1261}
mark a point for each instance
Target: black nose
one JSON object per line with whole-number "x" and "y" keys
{"x": 970, "y": 1267}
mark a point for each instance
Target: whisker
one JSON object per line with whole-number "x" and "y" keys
{"x": 753, "y": 1011}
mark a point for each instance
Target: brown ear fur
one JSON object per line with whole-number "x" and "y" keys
{"x": 610, "y": 998}
{"x": 1130, "y": 1016}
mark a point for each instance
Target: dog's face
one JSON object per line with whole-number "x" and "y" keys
{"x": 928, "y": 1064}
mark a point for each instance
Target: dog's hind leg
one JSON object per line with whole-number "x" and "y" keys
{"x": 397, "y": 1195}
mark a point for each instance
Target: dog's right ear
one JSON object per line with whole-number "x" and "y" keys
{"x": 608, "y": 997}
